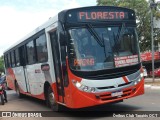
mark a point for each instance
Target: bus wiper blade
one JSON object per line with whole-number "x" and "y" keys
{"x": 118, "y": 37}
{"x": 93, "y": 32}
{"x": 116, "y": 48}
{"x": 121, "y": 32}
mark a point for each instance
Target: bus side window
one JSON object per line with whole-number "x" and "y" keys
{"x": 17, "y": 61}
{"x": 41, "y": 47}
{"x": 6, "y": 60}
{"x": 30, "y": 52}
{"x": 9, "y": 60}
{"x": 22, "y": 55}
{"x": 13, "y": 59}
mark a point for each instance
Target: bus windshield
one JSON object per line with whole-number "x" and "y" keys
{"x": 98, "y": 48}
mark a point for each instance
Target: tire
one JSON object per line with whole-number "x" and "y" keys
{"x": 18, "y": 91}
{"x": 2, "y": 99}
{"x": 51, "y": 102}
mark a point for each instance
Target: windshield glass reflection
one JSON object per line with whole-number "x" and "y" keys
{"x": 96, "y": 48}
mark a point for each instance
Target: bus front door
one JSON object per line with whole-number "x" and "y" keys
{"x": 57, "y": 65}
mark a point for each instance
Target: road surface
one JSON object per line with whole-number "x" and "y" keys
{"x": 150, "y": 101}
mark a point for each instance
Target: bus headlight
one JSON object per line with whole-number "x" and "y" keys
{"x": 141, "y": 75}
{"x": 84, "y": 88}
{"x": 135, "y": 83}
{"x": 138, "y": 79}
{"x": 78, "y": 85}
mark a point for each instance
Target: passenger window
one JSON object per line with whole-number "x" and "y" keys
{"x": 30, "y": 52}
{"x": 6, "y": 60}
{"x": 9, "y": 60}
{"x": 41, "y": 46}
{"x": 17, "y": 57}
{"x": 12, "y": 59}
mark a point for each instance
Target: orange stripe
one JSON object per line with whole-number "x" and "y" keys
{"x": 125, "y": 79}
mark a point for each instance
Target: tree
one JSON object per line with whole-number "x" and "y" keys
{"x": 142, "y": 9}
{"x": 1, "y": 64}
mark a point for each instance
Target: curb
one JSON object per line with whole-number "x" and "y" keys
{"x": 155, "y": 87}
{"x": 152, "y": 87}
{"x": 147, "y": 86}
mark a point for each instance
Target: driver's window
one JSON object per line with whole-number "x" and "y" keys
{"x": 74, "y": 43}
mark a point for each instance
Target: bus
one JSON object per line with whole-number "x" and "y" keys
{"x": 82, "y": 57}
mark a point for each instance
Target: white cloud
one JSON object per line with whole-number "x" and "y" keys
{"x": 18, "y": 19}
{"x": 16, "y": 24}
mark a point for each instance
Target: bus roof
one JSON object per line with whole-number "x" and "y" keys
{"x": 61, "y": 16}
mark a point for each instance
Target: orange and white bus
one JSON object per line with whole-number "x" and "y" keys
{"x": 82, "y": 57}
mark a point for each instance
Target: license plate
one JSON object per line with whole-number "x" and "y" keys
{"x": 115, "y": 94}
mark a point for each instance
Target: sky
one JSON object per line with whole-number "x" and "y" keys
{"x": 20, "y": 17}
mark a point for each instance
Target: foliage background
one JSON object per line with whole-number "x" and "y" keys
{"x": 1, "y": 64}
{"x": 142, "y": 9}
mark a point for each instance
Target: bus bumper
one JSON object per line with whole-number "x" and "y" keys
{"x": 83, "y": 99}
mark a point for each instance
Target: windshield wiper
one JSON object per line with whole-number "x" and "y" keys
{"x": 120, "y": 32}
{"x": 116, "y": 48}
{"x": 93, "y": 32}
{"x": 118, "y": 37}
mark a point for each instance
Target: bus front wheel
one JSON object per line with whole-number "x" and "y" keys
{"x": 51, "y": 100}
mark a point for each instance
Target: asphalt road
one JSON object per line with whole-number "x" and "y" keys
{"x": 150, "y": 101}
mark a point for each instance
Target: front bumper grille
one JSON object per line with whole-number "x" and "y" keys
{"x": 108, "y": 96}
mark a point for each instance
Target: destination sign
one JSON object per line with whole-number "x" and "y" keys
{"x": 85, "y": 16}
{"x": 99, "y": 13}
